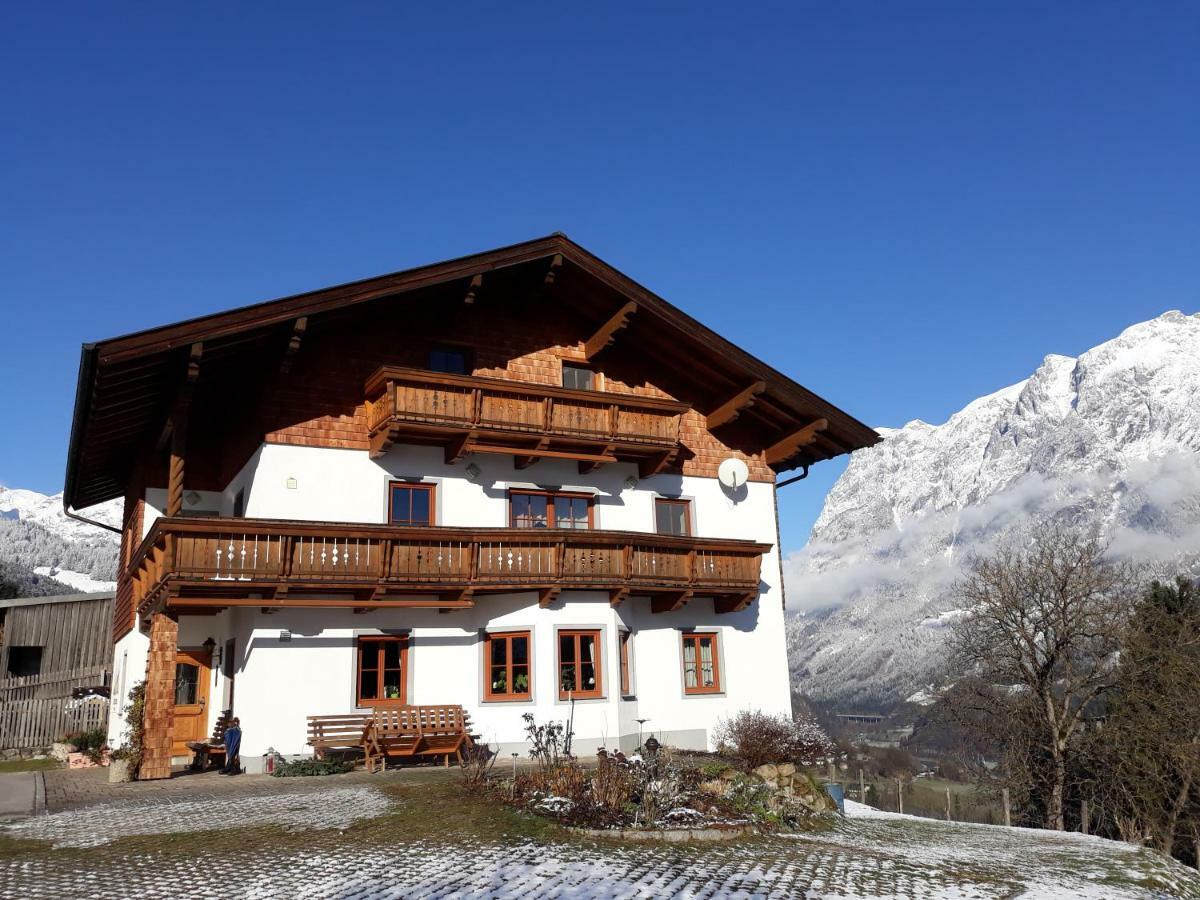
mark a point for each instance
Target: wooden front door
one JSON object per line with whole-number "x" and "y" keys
{"x": 193, "y": 673}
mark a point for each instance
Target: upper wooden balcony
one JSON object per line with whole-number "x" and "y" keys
{"x": 199, "y": 564}
{"x": 471, "y": 414}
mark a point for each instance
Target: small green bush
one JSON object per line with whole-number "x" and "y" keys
{"x": 88, "y": 742}
{"x": 304, "y": 767}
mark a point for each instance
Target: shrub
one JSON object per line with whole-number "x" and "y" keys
{"x": 754, "y": 738}
{"x": 135, "y": 729}
{"x": 304, "y": 767}
{"x": 475, "y": 764}
{"x": 88, "y": 742}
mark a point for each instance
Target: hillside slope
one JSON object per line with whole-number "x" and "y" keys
{"x": 1108, "y": 440}
{"x": 43, "y": 551}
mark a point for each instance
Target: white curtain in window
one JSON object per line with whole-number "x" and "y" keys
{"x": 689, "y": 664}
{"x": 586, "y": 648}
{"x": 706, "y": 662}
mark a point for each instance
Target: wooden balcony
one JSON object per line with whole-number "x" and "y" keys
{"x": 468, "y": 414}
{"x": 198, "y": 565}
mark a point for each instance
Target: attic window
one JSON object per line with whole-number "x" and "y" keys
{"x": 578, "y": 377}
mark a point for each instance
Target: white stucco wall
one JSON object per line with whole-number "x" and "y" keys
{"x": 279, "y": 682}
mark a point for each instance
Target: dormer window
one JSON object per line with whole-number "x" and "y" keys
{"x": 450, "y": 360}
{"x": 578, "y": 377}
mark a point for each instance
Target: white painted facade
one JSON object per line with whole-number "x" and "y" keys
{"x": 300, "y": 662}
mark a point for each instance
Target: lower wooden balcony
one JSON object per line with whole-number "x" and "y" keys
{"x": 470, "y": 414}
{"x": 204, "y": 565}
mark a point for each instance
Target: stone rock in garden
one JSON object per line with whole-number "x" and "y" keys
{"x": 788, "y": 769}
{"x": 767, "y": 772}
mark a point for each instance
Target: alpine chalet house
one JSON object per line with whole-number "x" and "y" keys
{"x": 491, "y": 482}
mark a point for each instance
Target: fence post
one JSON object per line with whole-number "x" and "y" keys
{"x": 1083, "y": 816}
{"x": 947, "y": 804}
{"x": 899, "y": 796}
{"x": 1007, "y": 808}
{"x": 862, "y": 789}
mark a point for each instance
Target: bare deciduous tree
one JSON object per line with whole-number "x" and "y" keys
{"x": 1043, "y": 620}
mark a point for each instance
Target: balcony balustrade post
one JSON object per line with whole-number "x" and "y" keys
{"x": 285, "y": 555}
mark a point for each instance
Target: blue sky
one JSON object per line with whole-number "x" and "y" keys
{"x": 903, "y": 206}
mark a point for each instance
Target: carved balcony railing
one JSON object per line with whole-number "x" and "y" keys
{"x": 468, "y": 414}
{"x": 202, "y": 564}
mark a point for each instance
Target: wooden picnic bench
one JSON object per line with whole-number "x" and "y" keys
{"x": 407, "y": 731}
{"x": 212, "y": 751}
{"x": 337, "y": 732}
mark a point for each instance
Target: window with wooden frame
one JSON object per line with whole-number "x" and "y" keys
{"x": 626, "y": 680}
{"x": 506, "y": 661}
{"x": 544, "y": 509}
{"x": 450, "y": 360}
{"x": 579, "y": 670}
{"x": 410, "y": 504}
{"x": 381, "y": 671}
{"x": 672, "y": 516}
{"x": 701, "y": 663}
{"x": 579, "y": 378}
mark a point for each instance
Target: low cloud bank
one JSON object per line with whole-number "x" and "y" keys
{"x": 1148, "y": 514}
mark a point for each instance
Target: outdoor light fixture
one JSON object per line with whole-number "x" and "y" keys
{"x": 630, "y": 483}
{"x": 473, "y": 471}
{"x": 192, "y": 498}
{"x": 285, "y": 636}
{"x": 291, "y": 484}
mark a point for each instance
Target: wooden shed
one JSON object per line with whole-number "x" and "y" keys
{"x": 51, "y": 650}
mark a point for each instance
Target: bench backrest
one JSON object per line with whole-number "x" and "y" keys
{"x": 403, "y": 720}
{"x": 327, "y": 728}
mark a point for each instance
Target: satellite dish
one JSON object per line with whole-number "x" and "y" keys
{"x": 733, "y": 473}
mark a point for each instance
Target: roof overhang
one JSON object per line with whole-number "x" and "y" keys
{"x": 124, "y": 382}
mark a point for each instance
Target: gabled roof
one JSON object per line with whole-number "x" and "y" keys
{"x": 126, "y": 383}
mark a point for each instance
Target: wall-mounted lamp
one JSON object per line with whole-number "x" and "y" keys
{"x": 214, "y": 652}
{"x": 630, "y": 483}
{"x": 285, "y": 636}
{"x": 473, "y": 471}
{"x": 192, "y": 498}
{"x": 291, "y": 484}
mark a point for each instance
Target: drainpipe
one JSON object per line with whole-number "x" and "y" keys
{"x": 799, "y": 477}
{"x": 87, "y": 521}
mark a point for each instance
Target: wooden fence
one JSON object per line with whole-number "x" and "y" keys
{"x": 38, "y": 723}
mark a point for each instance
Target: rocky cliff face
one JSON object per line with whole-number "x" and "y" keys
{"x": 1109, "y": 440}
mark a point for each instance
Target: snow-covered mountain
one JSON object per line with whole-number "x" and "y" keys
{"x": 43, "y": 551}
{"x": 1110, "y": 440}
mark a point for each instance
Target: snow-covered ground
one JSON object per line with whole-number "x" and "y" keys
{"x": 869, "y": 854}
{"x": 85, "y": 584}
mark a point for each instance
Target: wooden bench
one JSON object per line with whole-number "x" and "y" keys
{"x": 407, "y": 731}
{"x": 212, "y": 751}
{"x": 337, "y": 733}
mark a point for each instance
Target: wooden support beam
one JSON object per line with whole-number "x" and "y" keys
{"x": 524, "y": 462}
{"x": 655, "y": 464}
{"x": 669, "y": 602}
{"x": 789, "y": 446}
{"x": 617, "y": 596}
{"x": 183, "y": 396}
{"x": 548, "y": 595}
{"x": 473, "y": 289}
{"x": 552, "y": 272}
{"x": 606, "y": 333}
{"x": 293, "y": 346}
{"x": 554, "y": 454}
{"x": 459, "y": 447}
{"x": 732, "y": 408}
{"x": 734, "y": 603}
